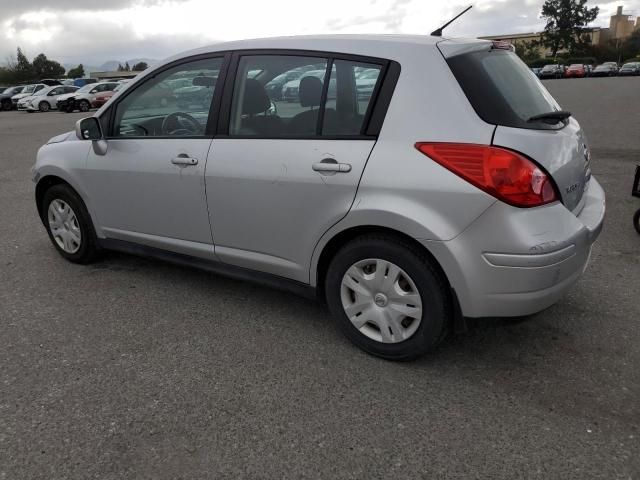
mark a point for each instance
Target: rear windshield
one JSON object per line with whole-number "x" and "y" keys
{"x": 502, "y": 89}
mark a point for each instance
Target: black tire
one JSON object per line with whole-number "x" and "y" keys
{"x": 432, "y": 287}
{"x": 84, "y": 106}
{"x": 6, "y": 105}
{"x": 89, "y": 250}
{"x": 636, "y": 220}
{"x": 44, "y": 106}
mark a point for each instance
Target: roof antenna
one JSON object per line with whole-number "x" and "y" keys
{"x": 438, "y": 31}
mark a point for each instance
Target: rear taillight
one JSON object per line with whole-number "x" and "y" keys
{"x": 505, "y": 174}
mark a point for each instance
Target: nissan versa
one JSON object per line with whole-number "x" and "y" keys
{"x": 455, "y": 187}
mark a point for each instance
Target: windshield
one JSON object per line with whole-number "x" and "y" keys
{"x": 29, "y": 89}
{"x": 42, "y": 91}
{"x": 86, "y": 88}
{"x": 502, "y": 89}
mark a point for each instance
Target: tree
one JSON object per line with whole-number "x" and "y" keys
{"x": 127, "y": 68}
{"x": 22, "y": 69}
{"x": 528, "y": 51}
{"x": 566, "y": 20}
{"x": 120, "y": 68}
{"x": 45, "y": 68}
{"x": 76, "y": 72}
{"x": 139, "y": 67}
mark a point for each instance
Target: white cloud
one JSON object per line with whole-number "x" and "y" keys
{"x": 95, "y": 31}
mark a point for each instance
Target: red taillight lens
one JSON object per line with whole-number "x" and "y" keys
{"x": 506, "y": 175}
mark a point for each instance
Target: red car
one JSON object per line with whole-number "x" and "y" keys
{"x": 576, "y": 70}
{"x": 103, "y": 97}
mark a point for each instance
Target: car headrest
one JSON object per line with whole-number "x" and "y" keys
{"x": 256, "y": 99}
{"x": 310, "y": 91}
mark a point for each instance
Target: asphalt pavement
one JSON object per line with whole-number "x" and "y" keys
{"x": 132, "y": 368}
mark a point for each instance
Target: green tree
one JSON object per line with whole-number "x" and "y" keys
{"x": 76, "y": 72}
{"x": 120, "y": 68}
{"x": 127, "y": 68}
{"x": 631, "y": 45}
{"x": 528, "y": 50}
{"x": 45, "y": 68}
{"x": 139, "y": 67}
{"x": 566, "y": 20}
{"x": 22, "y": 68}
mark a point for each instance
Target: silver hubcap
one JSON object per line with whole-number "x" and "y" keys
{"x": 64, "y": 226}
{"x": 381, "y": 300}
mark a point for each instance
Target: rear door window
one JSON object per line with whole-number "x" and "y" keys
{"x": 502, "y": 89}
{"x": 289, "y": 96}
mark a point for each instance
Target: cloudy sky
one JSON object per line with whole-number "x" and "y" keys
{"x": 94, "y": 31}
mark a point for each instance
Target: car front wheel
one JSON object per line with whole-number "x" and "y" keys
{"x": 69, "y": 225}
{"x": 387, "y": 297}
{"x": 44, "y": 106}
{"x": 83, "y": 106}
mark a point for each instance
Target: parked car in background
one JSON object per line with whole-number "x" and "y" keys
{"x": 291, "y": 89}
{"x": 576, "y": 70}
{"x": 607, "y": 69}
{"x": 366, "y": 82}
{"x": 81, "y": 99}
{"x": 198, "y": 93}
{"x": 553, "y": 70}
{"x": 81, "y": 82}
{"x": 5, "y": 97}
{"x": 274, "y": 86}
{"x": 466, "y": 192}
{"x": 50, "y": 81}
{"x": 536, "y": 71}
{"x": 103, "y": 97}
{"x": 588, "y": 70}
{"x": 629, "y": 69}
{"x": 27, "y": 92}
{"x": 45, "y": 99}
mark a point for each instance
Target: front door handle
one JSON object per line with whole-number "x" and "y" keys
{"x": 331, "y": 165}
{"x": 184, "y": 159}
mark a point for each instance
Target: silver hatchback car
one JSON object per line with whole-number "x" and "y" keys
{"x": 455, "y": 187}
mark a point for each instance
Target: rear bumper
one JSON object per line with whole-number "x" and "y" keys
{"x": 513, "y": 262}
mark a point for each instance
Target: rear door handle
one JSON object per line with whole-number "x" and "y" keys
{"x": 330, "y": 165}
{"x": 184, "y": 159}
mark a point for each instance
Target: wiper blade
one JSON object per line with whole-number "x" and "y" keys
{"x": 557, "y": 115}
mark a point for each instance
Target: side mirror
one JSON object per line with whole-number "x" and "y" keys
{"x": 88, "y": 129}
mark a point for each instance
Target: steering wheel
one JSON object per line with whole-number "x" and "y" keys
{"x": 171, "y": 125}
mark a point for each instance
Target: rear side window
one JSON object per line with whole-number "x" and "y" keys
{"x": 502, "y": 89}
{"x": 290, "y": 96}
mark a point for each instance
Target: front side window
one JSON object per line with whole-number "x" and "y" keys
{"x": 173, "y": 103}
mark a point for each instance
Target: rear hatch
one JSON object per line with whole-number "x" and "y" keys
{"x": 504, "y": 92}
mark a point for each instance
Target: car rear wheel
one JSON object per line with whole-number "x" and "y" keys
{"x": 44, "y": 106}
{"x": 6, "y": 105}
{"x": 83, "y": 106}
{"x": 636, "y": 220}
{"x": 69, "y": 225}
{"x": 387, "y": 297}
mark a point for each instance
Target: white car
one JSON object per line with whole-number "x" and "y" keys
{"x": 45, "y": 99}
{"x": 27, "y": 92}
{"x": 81, "y": 99}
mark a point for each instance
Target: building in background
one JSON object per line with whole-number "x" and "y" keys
{"x": 621, "y": 25}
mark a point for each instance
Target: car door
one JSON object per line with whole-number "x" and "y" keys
{"x": 283, "y": 172}
{"x": 149, "y": 186}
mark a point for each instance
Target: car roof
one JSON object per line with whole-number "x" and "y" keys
{"x": 358, "y": 44}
